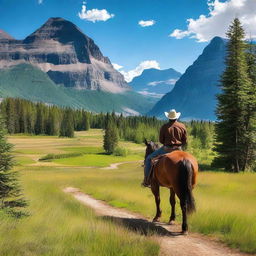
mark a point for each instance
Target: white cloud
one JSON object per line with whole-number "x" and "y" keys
{"x": 170, "y": 82}
{"x": 116, "y": 66}
{"x": 146, "y": 23}
{"x": 129, "y": 75}
{"x": 218, "y": 20}
{"x": 94, "y": 14}
{"x": 151, "y": 94}
{"x": 130, "y": 112}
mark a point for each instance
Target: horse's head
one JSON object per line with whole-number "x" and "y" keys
{"x": 150, "y": 147}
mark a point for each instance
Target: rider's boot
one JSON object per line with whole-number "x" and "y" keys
{"x": 145, "y": 182}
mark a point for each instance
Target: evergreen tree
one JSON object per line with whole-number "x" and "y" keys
{"x": 86, "y": 122}
{"x": 232, "y": 104}
{"x": 16, "y": 118}
{"x": 31, "y": 117}
{"x": 40, "y": 125}
{"x": 10, "y": 115}
{"x": 22, "y": 117}
{"x": 250, "y": 118}
{"x": 10, "y": 194}
{"x": 110, "y": 138}
{"x": 52, "y": 122}
{"x": 67, "y": 124}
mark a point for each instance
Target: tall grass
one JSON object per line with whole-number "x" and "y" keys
{"x": 226, "y": 206}
{"x": 58, "y": 225}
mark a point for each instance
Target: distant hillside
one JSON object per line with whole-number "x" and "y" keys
{"x": 155, "y": 82}
{"x": 195, "y": 92}
{"x": 28, "y": 82}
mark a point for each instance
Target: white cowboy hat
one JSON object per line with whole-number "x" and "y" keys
{"x": 172, "y": 114}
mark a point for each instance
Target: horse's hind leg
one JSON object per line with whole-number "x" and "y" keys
{"x": 155, "y": 191}
{"x": 172, "y": 202}
{"x": 184, "y": 217}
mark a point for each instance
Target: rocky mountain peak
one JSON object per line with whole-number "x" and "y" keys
{"x": 58, "y": 29}
{"x": 66, "y": 54}
{"x": 4, "y": 35}
{"x": 67, "y": 33}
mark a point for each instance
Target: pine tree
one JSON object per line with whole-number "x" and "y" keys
{"x": 22, "y": 116}
{"x": 10, "y": 194}
{"x": 85, "y": 121}
{"x": 67, "y": 124}
{"x": 31, "y": 117}
{"x": 40, "y": 125}
{"x": 232, "y": 103}
{"x": 110, "y": 138}
{"x": 10, "y": 115}
{"x": 52, "y": 122}
{"x": 250, "y": 118}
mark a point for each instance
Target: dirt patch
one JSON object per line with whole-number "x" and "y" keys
{"x": 172, "y": 242}
{"x": 115, "y": 165}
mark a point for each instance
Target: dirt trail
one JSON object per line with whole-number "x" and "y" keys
{"x": 115, "y": 165}
{"x": 171, "y": 241}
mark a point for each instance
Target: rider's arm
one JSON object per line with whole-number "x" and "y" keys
{"x": 161, "y": 135}
{"x": 184, "y": 137}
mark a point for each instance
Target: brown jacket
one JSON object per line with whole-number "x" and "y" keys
{"x": 173, "y": 134}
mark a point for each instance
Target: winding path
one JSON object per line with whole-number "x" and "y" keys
{"x": 171, "y": 241}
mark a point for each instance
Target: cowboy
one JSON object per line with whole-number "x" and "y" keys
{"x": 173, "y": 136}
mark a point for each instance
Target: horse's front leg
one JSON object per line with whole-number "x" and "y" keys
{"x": 155, "y": 191}
{"x": 172, "y": 203}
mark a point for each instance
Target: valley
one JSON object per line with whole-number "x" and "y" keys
{"x": 74, "y": 229}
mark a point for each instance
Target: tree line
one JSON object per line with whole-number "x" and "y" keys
{"x": 23, "y": 116}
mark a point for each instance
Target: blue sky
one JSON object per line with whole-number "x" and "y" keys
{"x": 121, "y": 38}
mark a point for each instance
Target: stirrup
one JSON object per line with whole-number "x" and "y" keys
{"x": 145, "y": 184}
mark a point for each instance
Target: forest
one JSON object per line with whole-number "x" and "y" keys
{"x": 23, "y": 116}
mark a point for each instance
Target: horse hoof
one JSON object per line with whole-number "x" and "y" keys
{"x": 171, "y": 222}
{"x": 184, "y": 233}
{"x": 156, "y": 220}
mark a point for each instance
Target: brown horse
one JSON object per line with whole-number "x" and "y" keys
{"x": 178, "y": 172}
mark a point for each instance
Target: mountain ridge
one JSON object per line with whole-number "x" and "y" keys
{"x": 155, "y": 82}
{"x": 194, "y": 94}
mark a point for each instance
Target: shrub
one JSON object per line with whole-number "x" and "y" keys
{"x": 119, "y": 151}
{"x": 59, "y": 156}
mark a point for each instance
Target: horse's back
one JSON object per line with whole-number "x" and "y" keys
{"x": 168, "y": 168}
{"x": 176, "y": 156}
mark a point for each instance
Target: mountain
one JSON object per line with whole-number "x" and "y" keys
{"x": 194, "y": 94}
{"x": 4, "y": 35}
{"x": 29, "y": 82}
{"x": 66, "y": 54}
{"x": 155, "y": 82}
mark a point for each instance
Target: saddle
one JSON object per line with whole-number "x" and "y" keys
{"x": 156, "y": 160}
{"x": 154, "y": 163}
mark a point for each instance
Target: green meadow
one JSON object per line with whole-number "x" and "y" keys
{"x": 59, "y": 225}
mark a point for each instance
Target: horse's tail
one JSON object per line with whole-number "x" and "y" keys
{"x": 185, "y": 182}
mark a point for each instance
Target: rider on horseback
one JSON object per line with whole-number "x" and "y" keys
{"x": 173, "y": 136}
